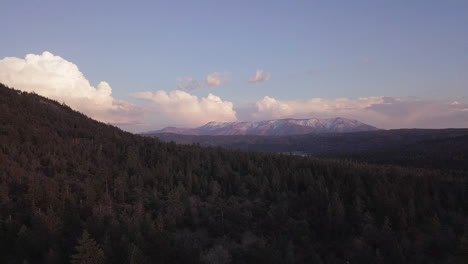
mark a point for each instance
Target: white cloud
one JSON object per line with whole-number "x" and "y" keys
{"x": 216, "y": 78}
{"x": 270, "y": 107}
{"x": 189, "y": 110}
{"x": 54, "y": 77}
{"x": 380, "y": 111}
{"x": 260, "y": 76}
{"x": 59, "y": 79}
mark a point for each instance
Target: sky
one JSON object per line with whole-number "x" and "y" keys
{"x": 144, "y": 65}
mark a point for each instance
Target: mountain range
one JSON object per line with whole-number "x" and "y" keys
{"x": 277, "y": 127}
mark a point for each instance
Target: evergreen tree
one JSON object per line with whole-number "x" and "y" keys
{"x": 462, "y": 251}
{"x": 87, "y": 251}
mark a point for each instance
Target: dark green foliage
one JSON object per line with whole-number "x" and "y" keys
{"x": 88, "y": 251}
{"x": 449, "y": 153}
{"x": 462, "y": 251}
{"x": 144, "y": 201}
{"x": 445, "y": 149}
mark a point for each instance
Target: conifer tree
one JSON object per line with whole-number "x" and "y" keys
{"x": 87, "y": 251}
{"x": 462, "y": 252}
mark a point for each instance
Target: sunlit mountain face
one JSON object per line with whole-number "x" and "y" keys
{"x": 278, "y": 127}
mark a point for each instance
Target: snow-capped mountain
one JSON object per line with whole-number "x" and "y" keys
{"x": 278, "y": 127}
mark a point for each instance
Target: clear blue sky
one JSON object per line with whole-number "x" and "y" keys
{"x": 326, "y": 49}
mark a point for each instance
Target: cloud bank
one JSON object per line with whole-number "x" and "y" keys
{"x": 54, "y": 77}
{"x": 59, "y": 79}
{"x": 187, "y": 109}
{"x": 260, "y": 76}
{"x": 380, "y": 111}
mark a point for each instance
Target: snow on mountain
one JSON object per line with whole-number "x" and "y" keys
{"x": 278, "y": 127}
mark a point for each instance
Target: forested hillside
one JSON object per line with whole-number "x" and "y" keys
{"x": 445, "y": 149}
{"x": 445, "y": 154}
{"x": 73, "y": 190}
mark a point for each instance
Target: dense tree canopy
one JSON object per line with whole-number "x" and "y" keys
{"x": 73, "y": 189}
{"x": 445, "y": 149}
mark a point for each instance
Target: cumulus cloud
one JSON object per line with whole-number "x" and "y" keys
{"x": 422, "y": 113}
{"x": 189, "y": 110}
{"x": 270, "y": 107}
{"x": 216, "y": 78}
{"x": 54, "y": 77}
{"x": 260, "y": 76}
{"x": 59, "y": 79}
{"x": 381, "y": 111}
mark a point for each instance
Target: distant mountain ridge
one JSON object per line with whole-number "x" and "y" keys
{"x": 276, "y": 127}
{"x": 422, "y": 148}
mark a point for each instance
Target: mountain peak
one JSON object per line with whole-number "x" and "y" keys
{"x": 275, "y": 127}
